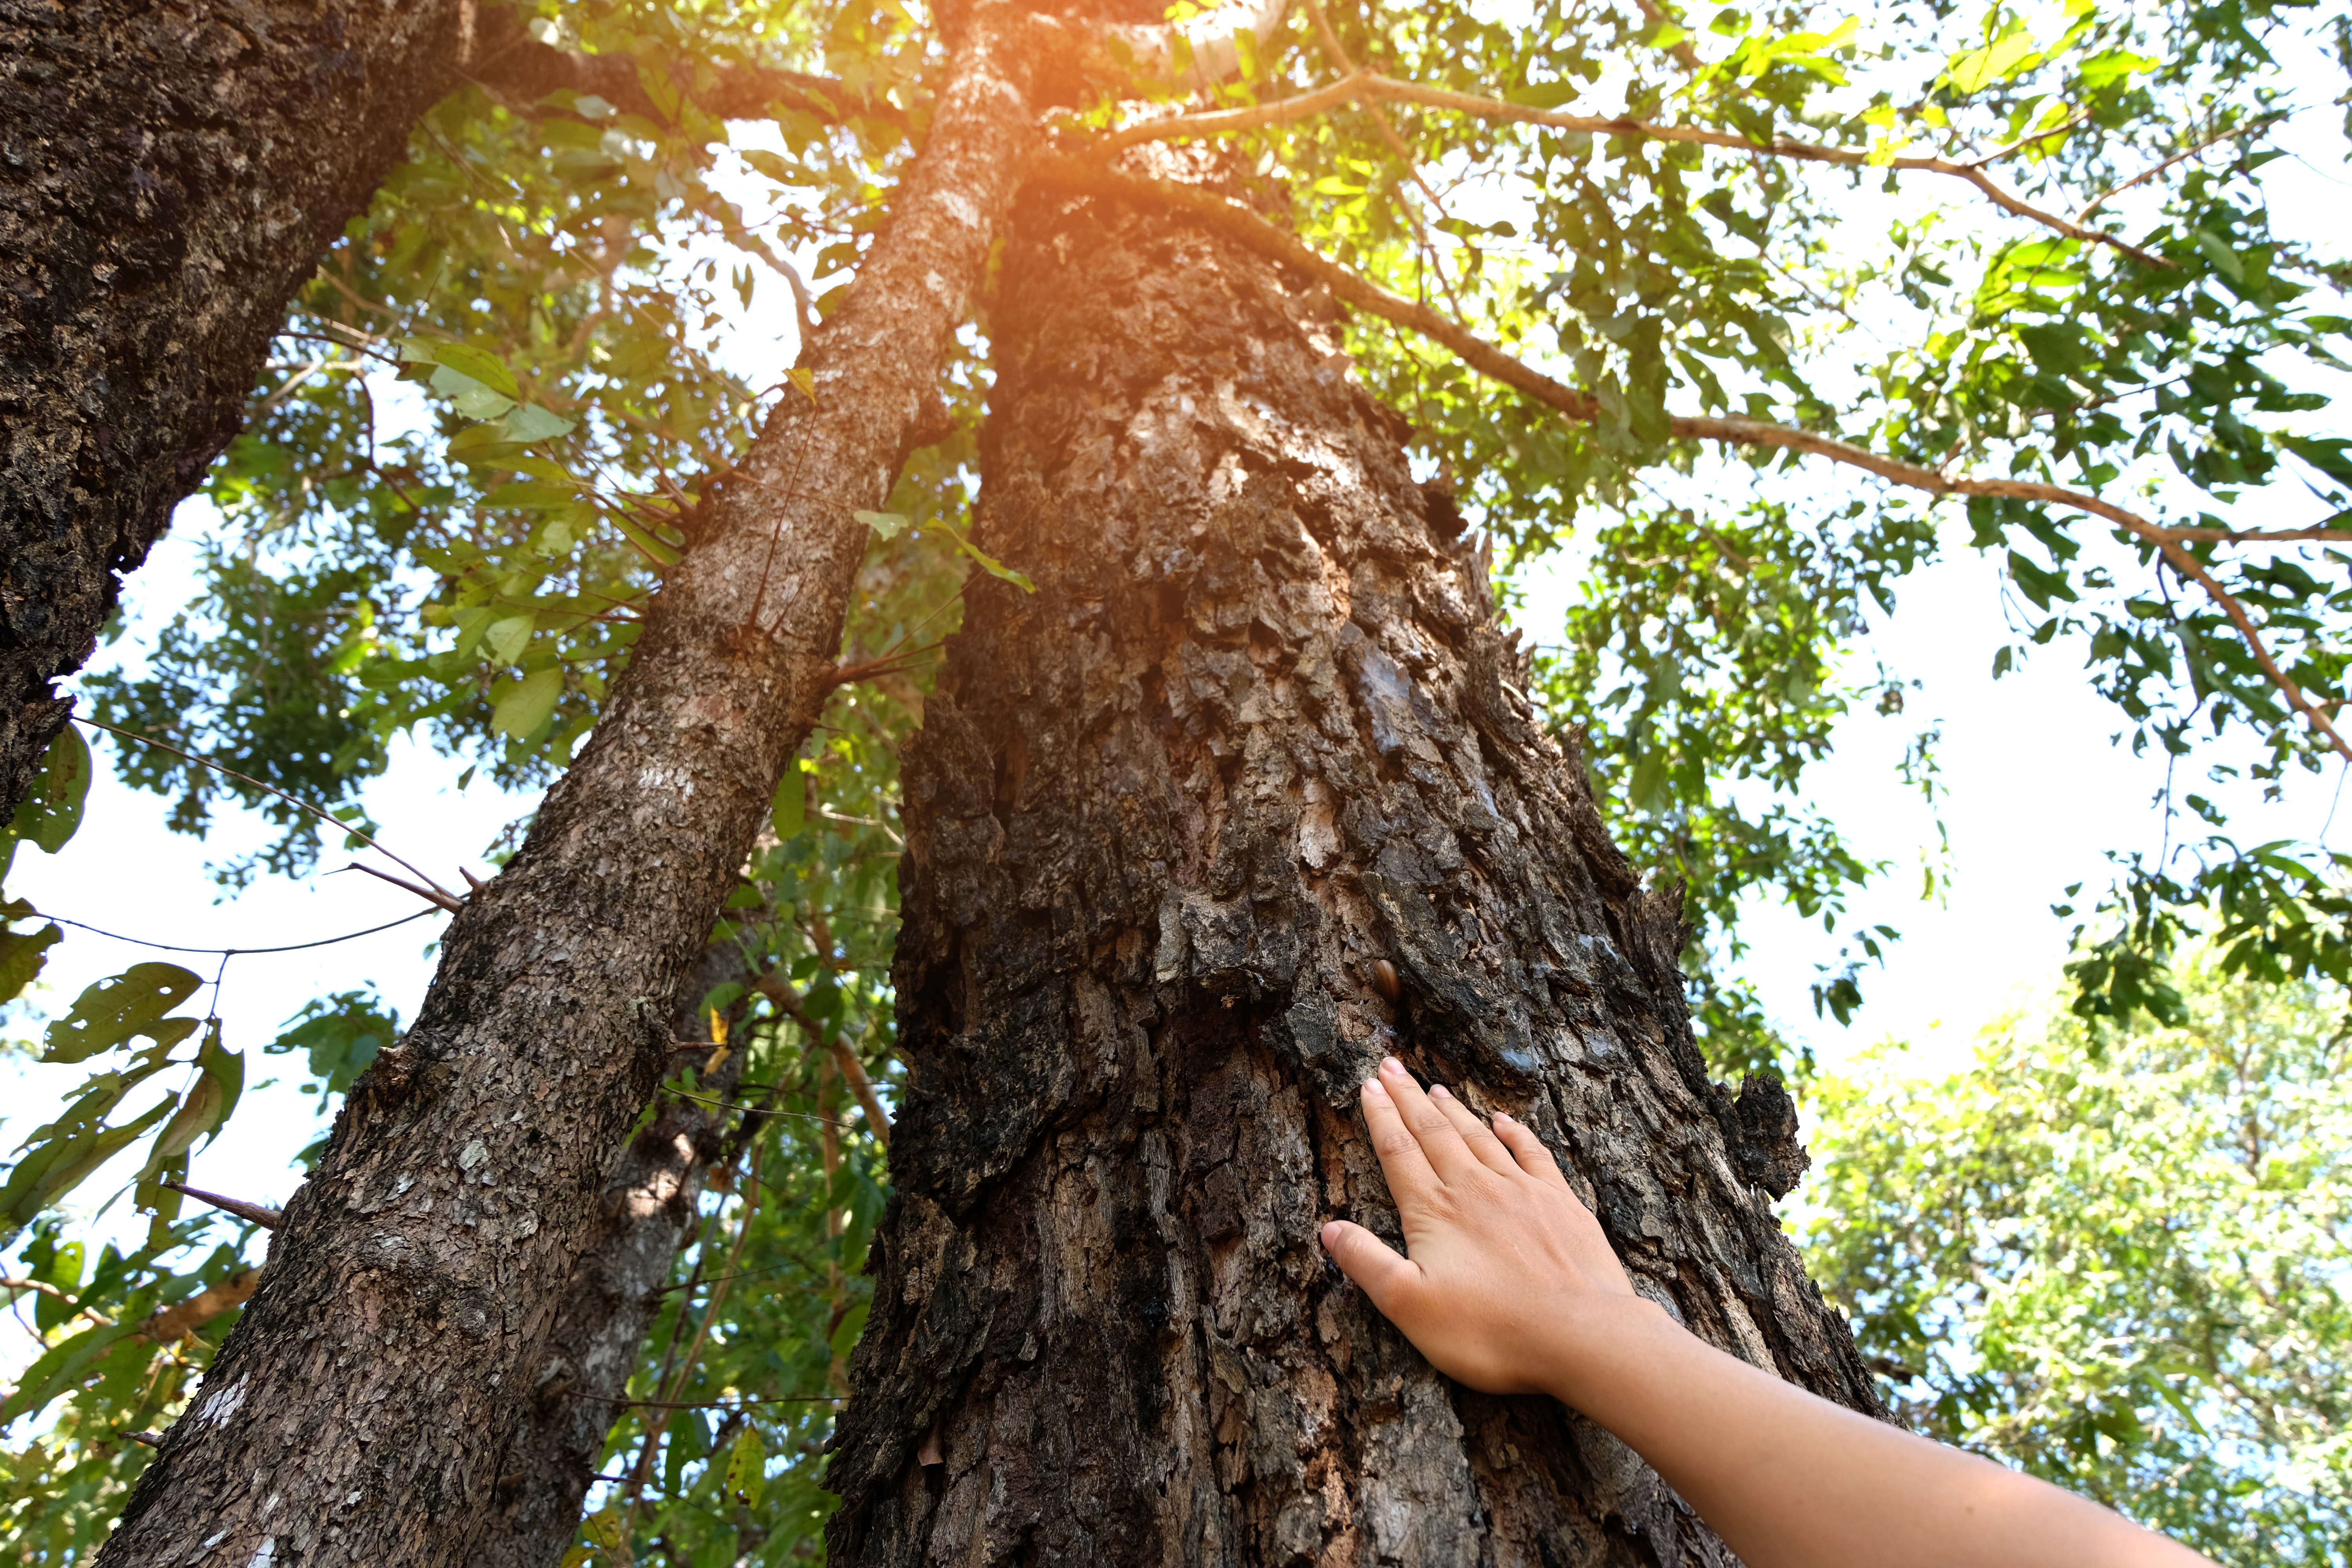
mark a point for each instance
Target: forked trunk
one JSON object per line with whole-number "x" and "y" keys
{"x": 1241, "y": 797}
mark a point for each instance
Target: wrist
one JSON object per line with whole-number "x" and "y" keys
{"x": 1611, "y": 1351}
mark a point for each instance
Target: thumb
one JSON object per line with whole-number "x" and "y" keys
{"x": 1368, "y": 1261}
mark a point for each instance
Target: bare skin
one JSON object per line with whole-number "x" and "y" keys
{"x": 1511, "y": 1287}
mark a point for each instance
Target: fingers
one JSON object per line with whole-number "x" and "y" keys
{"x": 1370, "y": 1262}
{"x": 1411, "y": 1179}
{"x": 1530, "y": 1153}
{"x": 1481, "y": 1143}
{"x": 1442, "y": 1145}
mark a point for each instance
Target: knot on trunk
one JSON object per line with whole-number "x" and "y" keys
{"x": 1766, "y": 1146}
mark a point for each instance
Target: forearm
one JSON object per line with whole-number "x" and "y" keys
{"x": 1791, "y": 1480}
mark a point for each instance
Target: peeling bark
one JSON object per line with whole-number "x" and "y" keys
{"x": 363, "y": 1410}
{"x": 169, "y": 176}
{"x": 1254, "y": 737}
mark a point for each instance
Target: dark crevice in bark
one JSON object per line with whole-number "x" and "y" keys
{"x": 169, "y": 176}
{"x": 1242, "y": 797}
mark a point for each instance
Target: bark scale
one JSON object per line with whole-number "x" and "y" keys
{"x": 363, "y": 1410}
{"x": 169, "y": 176}
{"x": 1242, "y": 797}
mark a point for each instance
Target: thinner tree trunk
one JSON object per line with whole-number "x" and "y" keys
{"x": 169, "y": 176}
{"x": 1242, "y": 797}
{"x": 362, "y": 1410}
{"x": 644, "y": 1219}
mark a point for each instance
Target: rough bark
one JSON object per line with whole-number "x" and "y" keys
{"x": 1241, "y": 797}
{"x": 362, "y": 1410}
{"x": 169, "y": 176}
{"x": 644, "y": 1218}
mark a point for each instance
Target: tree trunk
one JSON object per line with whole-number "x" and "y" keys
{"x": 1243, "y": 795}
{"x": 169, "y": 176}
{"x": 362, "y": 1410}
{"x": 643, "y": 1220}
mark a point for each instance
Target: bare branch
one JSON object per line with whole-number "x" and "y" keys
{"x": 262, "y": 1215}
{"x": 447, "y": 899}
{"x": 519, "y": 68}
{"x": 1371, "y": 87}
{"x": 2146, "y": 174}
{"x": 176, "y": 1322}
{"x": 1239, "y": 224}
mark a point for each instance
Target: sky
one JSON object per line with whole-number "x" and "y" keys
{"x": 2036, "y": 794}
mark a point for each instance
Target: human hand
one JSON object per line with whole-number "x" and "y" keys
{"x": 1509, "y": 1285}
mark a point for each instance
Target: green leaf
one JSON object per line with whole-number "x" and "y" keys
{"x": 22, "y": 955}
{"x": 747, "y": 1468}
{"x": 790, "y": 813}
{"x": 121, "y": 1007}
{"x": 992, "y": 566}
{"x": 79, "y": 1156}
{"x": 53, "y": 810}
{"x": 2224, "y": 259}
{"x": 528, "y": 703}
{"x": 537, "y": 494}
{"x": 886, "y": 524}
{"x": 532, "y": 422}
{"x": 473, "y": 399}
{"x": 506, "y": 640}
{"x": 477, "y": 365}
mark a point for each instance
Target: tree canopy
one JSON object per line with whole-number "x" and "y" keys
{"x": 1735, "y": 304}
{"x": 2115, "y": 1254}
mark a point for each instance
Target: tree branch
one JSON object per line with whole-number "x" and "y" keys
{"x": 853, "y": 1071}
{"x": 1371, "y": 87}
{"x": 516, "y": 65}
{"x": 2146, "y": 174}
{"x": 1239, "y": 224}
{"x": 175, "y": 1322}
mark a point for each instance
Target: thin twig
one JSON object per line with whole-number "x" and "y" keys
{"x": 262, "y": 1215}
{"x": 788, "y": 1001}
{"x": 1371, "y": 86}
{"x": 271, "y": 789}
{"x": 2104, "y": 196}
{"x": 1246, "y": 227}
{"x": 449, "y": 901}
{"x": 234, "y": 951}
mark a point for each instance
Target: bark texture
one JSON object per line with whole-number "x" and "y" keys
{"x": 363, "y": 1410}
{"x": 169, "y": 176}
{"x": 1242, "y": 796}
{"x": 643, "y": 1220}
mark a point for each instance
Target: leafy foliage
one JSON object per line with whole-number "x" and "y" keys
{"x": 501, "y": 411}
{"x": 2117, "y": 1256}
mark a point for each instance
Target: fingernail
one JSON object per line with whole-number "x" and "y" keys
{"x": 1504, "y": 1116}
{"x": 1389, "y": 1064}
{"x": 1439, "y": 1091}
{"x": 1372, "y": 1090}
{"x": 1331, "y": 1237}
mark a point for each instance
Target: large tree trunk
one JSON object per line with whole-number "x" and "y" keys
{"x": 169, "y": 176}
{"x": 361, "y": 1411}
{"x": 1241, "y": 797}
